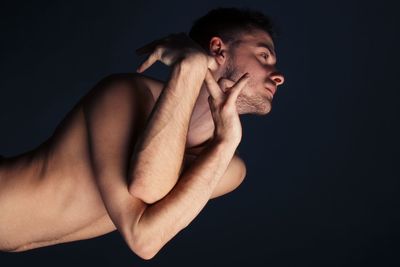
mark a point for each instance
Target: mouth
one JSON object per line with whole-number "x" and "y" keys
{"x": 271, "y": 90}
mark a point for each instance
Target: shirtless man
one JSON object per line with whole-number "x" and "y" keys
{"x": 142, "y": 156}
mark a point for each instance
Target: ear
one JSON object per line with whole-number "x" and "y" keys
{"x": 218, "y": 50}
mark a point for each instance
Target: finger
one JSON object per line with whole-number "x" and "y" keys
{"x": 148, "y": 48}
{"x": 225, "y": 83}
{"x": 237, "y": 88}
{"x": 147, "y": 63}
{"x": 213, "y": 87}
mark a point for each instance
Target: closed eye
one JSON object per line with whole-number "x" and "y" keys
{"x": 264, "y": 55}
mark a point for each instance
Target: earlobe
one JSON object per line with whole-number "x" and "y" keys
{"x": 216, "y": 59}
{"x": 220, "y": 58}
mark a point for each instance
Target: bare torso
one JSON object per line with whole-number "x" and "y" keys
{"x": 48, "y": 195}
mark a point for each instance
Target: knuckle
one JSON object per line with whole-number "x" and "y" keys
{"x": 157, "y": 47}
{"x": 150, "y": 58}
{"x": 158, "y": 52}
{"x": 226, "y": 83}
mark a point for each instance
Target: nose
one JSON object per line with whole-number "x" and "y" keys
{"x": 278, "y": 78}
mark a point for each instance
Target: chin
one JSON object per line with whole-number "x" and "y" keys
{"x": 259, "y": 110}
{"x": 268, "y": 109}
{"x": 263, "y": 108}
{"x": 253, "y": 105}
{"x": 265, "y": 111}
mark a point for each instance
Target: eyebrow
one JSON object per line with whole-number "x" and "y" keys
{"x": 268, "y": 46}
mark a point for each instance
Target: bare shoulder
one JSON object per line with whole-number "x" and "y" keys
{"x": 137, "y": 81}
{"x": 125, "y": 88}
{"x": 150, "y": 84}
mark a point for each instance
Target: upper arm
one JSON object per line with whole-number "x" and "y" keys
{"x": 231, "y": 179}
{"x": 111, "y": 119}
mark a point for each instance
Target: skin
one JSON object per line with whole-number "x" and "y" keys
{"x": 254, "y": 98}
{"x": 49, "y": 195}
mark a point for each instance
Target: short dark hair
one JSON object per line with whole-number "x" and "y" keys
{"x": 229, "y": 24}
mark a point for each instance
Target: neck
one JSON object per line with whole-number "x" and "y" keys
{"x": 201, "y": 126}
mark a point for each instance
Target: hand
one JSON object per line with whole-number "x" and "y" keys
{"x": 223, "y": 106}
{"x": 169, "y": 50}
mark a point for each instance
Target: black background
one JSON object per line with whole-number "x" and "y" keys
{"x": 322, "y": 184}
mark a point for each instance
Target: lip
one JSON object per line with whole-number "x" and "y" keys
{"x": 271, "y": 90}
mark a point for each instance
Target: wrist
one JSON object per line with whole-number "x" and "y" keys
{"x": 198, "y": 61}
{"x": 225, "y": 143}
{"x": 212, "y": 63}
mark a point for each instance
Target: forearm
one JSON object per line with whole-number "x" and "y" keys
{"x": 158, "y": 155}
{"x": 164, "y": 219}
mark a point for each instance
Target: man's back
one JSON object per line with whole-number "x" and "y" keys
{"x": 51, "y": 189}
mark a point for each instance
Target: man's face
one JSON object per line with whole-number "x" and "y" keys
{"x": 256, "y": 55}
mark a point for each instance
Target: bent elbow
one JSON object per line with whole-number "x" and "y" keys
{"x": 145, "y": 251}
{"x": 144, "y": 195}
{"x": 140, "y": 244}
